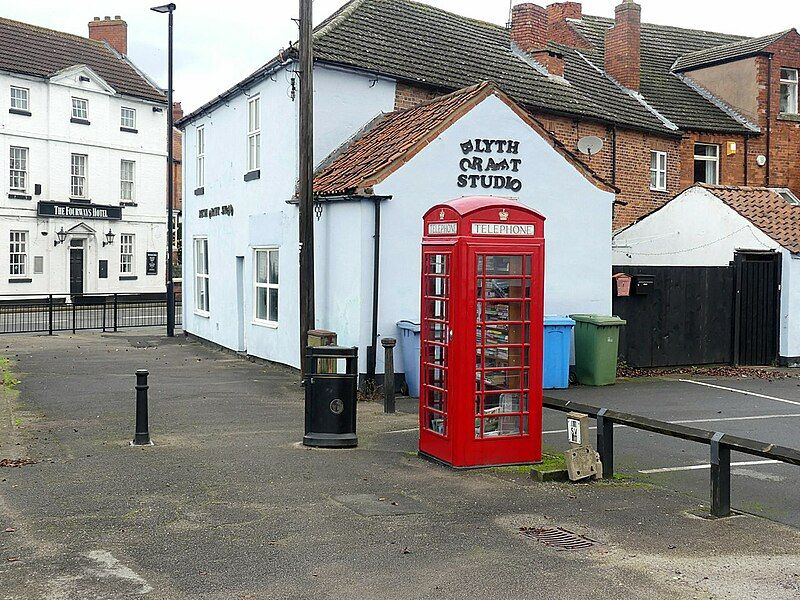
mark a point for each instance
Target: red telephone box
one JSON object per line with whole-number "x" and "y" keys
{"x": 481, "y": 334}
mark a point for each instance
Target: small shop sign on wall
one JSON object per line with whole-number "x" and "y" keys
{"x": 152, "y": 263}
{"x": 492, "y": 171}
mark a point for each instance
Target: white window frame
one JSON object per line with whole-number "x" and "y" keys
{"x": 127, "y": 193}
{"x": 18, "y": 254}
{"x": 714, "y": 159}
{"x": 254, "y": 133}
{"x": 201, "y": 278}
{"x": 80, "y": 111}
{"x": 23, "y": 98}
{"x": 267, "y": 285}
{"x": 658, "y": 173}
{"x": 127, "y": 254}
{"x": 79, "y": 176}
{"x": 200, "y": 175}
{"x": 792, "y": 84}
{"x": 127, "y": 117}
{"x": 18, "y": 168}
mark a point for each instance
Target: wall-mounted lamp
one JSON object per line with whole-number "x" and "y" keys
{"x": 62, "y": 236}
{"x": 109, "y": 238}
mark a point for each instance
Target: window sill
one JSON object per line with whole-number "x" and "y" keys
{"x": 663, "y": 191}
{"x": 128, "y": 278}
{"x": 789, "y": 117}
{"x": 200, "y": 313}
{"x": 269, "y": 324}
{"x": 20, "y": 280}
{"x": 199, "y": 191}
{"x": 19, "y": 111}
{"x": 80, "y": 121}
{"x": 19, "y": 196}
{"x": 252, "y": 175}
{"x": 80, "y": 200}
{"x": 129, "y": 130}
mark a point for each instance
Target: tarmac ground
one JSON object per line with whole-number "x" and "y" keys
{"x": 227, "y": 504}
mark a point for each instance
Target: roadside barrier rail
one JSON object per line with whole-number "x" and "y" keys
{"x": 721, "y": 445}
{"x": 49, "y": 313}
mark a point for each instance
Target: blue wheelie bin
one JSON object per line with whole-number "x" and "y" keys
{"x": 409, "y": 348}
{"x": 557, "y": 344}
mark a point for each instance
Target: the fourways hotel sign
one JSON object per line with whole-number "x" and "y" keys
{"x": 490, "y": 164}
{"x": 69, "y": 210}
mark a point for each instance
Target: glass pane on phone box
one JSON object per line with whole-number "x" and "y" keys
{"x": 437, "y": 264}
{"x": 436, "y": 354}
{"x": 501, "y": 311}
{"x": 496, "y": 357}
{"x": 437, "y": 309}
{"x": 437, "y": 332}
{"x": 437, "y": 286}
{"x": 504, "y": 265}
{"x": 502, "y": 380}
{"x": 436, "y": 377}
{"x": 505, "y": 288}
{"x": 436, "y": 400}
{"x": 499, "y": 426}
{"x": 437, "y": 423}
{"x": 504, "y": 402}
{"x": 480, "y": 265}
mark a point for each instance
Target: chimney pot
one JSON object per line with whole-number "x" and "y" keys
{"x": 97, "y": 18}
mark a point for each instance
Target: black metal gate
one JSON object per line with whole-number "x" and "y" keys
{"x": 756, "y": 307}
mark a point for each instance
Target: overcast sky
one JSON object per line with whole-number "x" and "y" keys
{"x": 219, "y": 43}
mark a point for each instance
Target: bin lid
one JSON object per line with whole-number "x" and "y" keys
{"x": 408, "y": 325}
{"x": 558, "y": 320}
{"x": 601, "y": 320}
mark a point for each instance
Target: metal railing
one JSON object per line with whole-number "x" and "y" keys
{"x": 30, "y": 313}
{"x": 721, "y": 445}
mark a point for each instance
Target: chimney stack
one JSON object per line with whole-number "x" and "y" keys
{"x": 529, "y": 26}
{"x": 177, "y": 111}
{"x": 114, "y": 31}
{"x": 559, "y": 30}
{"x": 622, "y": 47}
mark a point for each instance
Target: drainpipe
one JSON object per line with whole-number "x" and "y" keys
{"x": 614, "y": 155}
{"x": 769, "y": 111}
{"x": 376, "y": 258}
{"x": 746, "y": 155}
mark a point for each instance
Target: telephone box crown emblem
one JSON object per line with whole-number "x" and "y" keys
{"x": 441, "y": 215}
{"x": 503, "y": 214}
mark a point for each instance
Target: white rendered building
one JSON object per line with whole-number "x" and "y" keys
{"x": 82, "y": 136}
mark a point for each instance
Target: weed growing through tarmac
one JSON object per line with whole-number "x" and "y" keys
{"x": 9, "y": 381}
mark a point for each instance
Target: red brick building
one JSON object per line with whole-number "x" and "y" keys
{"x": 672, "y": 106}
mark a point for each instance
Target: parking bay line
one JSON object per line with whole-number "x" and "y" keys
{"x": 744, "y": 463}
{"x": 737, "y": 391}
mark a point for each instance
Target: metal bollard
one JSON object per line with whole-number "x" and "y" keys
{"x": 720, "y": 477}
{"x": 142, "y": 437}
{"x": 388, "y": 374}
{"x": 605, "y": 443}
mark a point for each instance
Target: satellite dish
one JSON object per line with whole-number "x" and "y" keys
{"x": 590, "y": 144}
{"x": 761, "y": 160}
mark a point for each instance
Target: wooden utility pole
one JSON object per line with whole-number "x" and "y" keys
{"x": 306, "y": 154}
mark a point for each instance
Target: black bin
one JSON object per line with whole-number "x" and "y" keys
{"x": 331, "y": 397}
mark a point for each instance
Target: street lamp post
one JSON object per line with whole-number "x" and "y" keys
{"x": 169, "y": 9}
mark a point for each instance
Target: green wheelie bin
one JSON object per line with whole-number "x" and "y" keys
{"x": 596, "y": 345}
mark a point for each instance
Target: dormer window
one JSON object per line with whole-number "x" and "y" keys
{"x": 80, "y": 109}
{"x": 789, "y": 91}
{"x": 20, "y": 99}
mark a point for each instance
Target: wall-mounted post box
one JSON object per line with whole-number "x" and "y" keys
{"x": 622, "y": 284}
{"x": 643, "y": 284}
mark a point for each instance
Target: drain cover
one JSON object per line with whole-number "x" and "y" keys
{"x": 559, "y": 538}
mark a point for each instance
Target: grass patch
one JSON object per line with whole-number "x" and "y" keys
{"x": 551, "y": 462}
{"x": 8, "y": 379}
